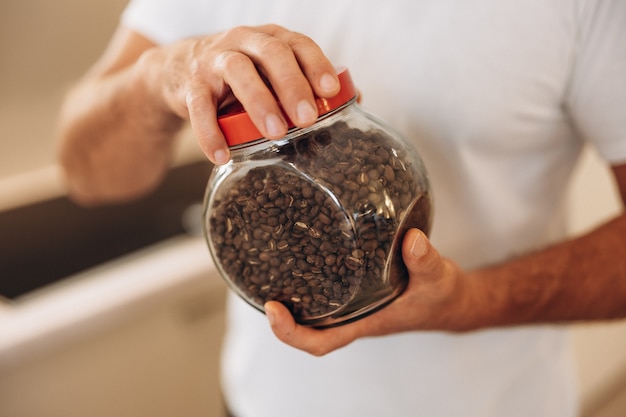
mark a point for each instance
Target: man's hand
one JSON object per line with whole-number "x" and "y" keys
{"x": 194, "y": 77}
{"x": 436, "y": 298}
{"x": 118, "y": 124}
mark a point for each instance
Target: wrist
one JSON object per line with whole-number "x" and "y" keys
{"x": 155, "y": 90}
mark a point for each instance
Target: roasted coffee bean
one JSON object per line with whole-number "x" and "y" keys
{"x": 327, "y": 233}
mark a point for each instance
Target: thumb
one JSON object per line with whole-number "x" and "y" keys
{"x": 420, "y": 257}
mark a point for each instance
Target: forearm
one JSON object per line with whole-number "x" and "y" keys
{"x": 115, "y": 137}
{"x": 580, "y": 279}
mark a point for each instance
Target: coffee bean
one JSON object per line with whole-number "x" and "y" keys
{"x": 327, "y": 234}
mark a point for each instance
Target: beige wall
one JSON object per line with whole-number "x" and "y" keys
{"x": 44, "y": 46}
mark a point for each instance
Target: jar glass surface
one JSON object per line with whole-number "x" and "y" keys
{"x": 316, "y": 220}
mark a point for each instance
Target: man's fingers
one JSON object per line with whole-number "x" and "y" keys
{"x": 317, "y": 342}
{"x": 241, "y": 75}
{"x": 241, "y": 62}
{"x": 296, "y": 68}
{"x": 203, "y": 120}
{"x": 319, "y": 71}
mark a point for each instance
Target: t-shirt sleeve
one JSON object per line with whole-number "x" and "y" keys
{"x": 597, "y": 92}
{"x": 166, "y": 21}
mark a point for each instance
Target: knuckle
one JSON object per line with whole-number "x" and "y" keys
{"x": 194, "y": 98}
{"x": 273, "y": 28}
{"x": 228, "y": 61}
{"x": 237, "y": 32}
{"x": 272, "y": 45}
{"x": 195, "y": 67}
{"x": 319, "y": 350}
{"x": 299, "y": 40}
{"x": 319, "y": 353}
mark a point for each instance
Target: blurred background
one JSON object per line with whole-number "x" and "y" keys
{"x": 118, "y": 311}
{"x": 114, "y": 311}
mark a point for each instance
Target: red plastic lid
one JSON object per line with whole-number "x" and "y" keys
{"x": 238, "y": 128}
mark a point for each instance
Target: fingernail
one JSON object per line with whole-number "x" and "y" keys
{"x": 306, "y": 112}
{"x": 274, "y": 125}
{"x": 419, "y": 247}
{"x": 328, "y": 83}
{"x": 220, "y": 156}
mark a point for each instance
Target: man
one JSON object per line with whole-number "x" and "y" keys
{"x": 498, "y": 97}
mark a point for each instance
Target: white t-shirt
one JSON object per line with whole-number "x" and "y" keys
{"x": 498, "y": 97}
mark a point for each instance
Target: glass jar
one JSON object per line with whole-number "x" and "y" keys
{"x": 315, "y": 220}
